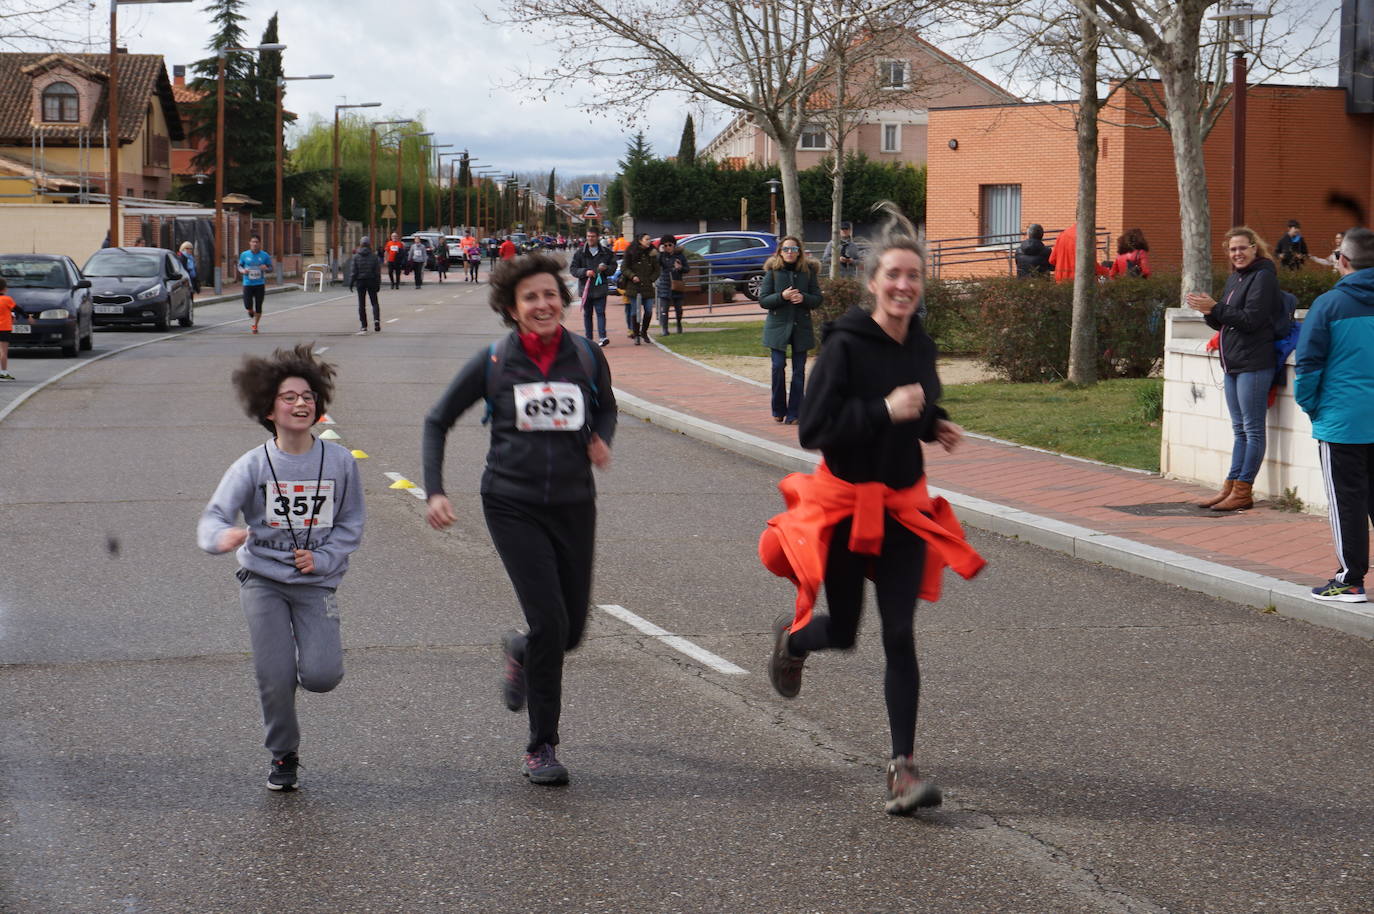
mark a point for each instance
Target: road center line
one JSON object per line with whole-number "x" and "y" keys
{"x": 696, "y": 652}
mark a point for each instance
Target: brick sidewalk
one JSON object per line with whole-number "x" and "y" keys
{"x": 1295, "y": 548}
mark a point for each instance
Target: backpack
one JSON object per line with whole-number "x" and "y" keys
{"x": 1133, "y": 267}
{"x": 499, "y": 351}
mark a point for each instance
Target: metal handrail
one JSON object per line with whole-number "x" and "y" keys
{"x": 996, "y": 249}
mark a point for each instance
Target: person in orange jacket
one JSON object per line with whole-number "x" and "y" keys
{"x": 1064, "y": 256}
{"x": 620, "y": 245}
{"x": 508, "y": 249}
{"x": 394, "y": 254}
{"x": 866, "y": 512}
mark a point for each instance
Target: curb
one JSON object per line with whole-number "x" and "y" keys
{"x": 1265, "y": 593}
{"x": 224, "y": 297}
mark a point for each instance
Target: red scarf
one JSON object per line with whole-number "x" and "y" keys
{"x": 540, "y": 352}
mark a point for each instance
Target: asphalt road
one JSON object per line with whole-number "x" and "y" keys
{"x": 1107, "y": 744}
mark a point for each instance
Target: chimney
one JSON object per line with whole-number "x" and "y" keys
{"x": 179, "y": 74}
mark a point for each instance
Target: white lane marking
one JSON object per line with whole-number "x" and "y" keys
{"x": 322, "y": 350}
{"x": 393, "y": 320}
{"x": 412, "y": 488}
{"x": 700, "y": 654}
{"x": 419, "y": 309}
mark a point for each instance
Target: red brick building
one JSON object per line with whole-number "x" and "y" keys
{"x": 995, "y": 169}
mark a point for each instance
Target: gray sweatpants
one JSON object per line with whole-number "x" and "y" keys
{"x": 294, "y": 630}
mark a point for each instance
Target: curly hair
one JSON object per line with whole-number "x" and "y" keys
{"x": 257, "y": 379}
{"x": 1135, "y": 240}
{"x": 510, "y": 273}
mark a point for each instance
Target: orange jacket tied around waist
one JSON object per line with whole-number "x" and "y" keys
{"x": 796, "y": 542}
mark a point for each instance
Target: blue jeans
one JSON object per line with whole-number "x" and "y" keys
{"x": 784, "y": 406}
{"x": 635, "y": 305}
{"x": 1247, "y": 399}
{"x": 597, "y": 305}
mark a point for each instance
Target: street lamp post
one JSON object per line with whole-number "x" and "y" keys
{"x": 334, "y": 223}
{"x": 279, "y": 241}
{"x": 440, "y": 209}
{"x": 484, "y": 206}
{"x": 424, "y": 177}
{"x": 466, "y": 173}
{"x": 773, "y": 185}
{"x": 1238, "y": 18}
{"x": 372, "y": 176}
{"x": 220, "y": 259}
{"x": 112, "y": 118}
{"x": 400, "y": 195}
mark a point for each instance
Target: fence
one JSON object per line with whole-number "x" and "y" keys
{"x": 981, "y": 255}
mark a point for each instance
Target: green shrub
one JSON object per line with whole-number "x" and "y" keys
{"x": 952, "y": 317}
{"x": 1149, "y": 400}
{"x": 837, "y": 296}
{"x": 1306, "y": 285}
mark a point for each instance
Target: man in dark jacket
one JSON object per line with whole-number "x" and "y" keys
{"x": 365, "y": 274}
{"x": 1292, "y": 247}
{"x": 1033, "y": 257}
{"x": 592, "y": 266}
{"x": 1335, "y": 386}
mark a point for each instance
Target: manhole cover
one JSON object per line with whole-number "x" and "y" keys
{"x": 1168, "y": 509}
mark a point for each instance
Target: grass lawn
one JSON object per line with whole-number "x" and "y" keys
{"x": 1104, "y": 422}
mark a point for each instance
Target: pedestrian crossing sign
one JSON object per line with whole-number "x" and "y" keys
{"x": 591, "y": 192}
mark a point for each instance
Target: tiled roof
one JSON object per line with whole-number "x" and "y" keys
{"x": 141, "y": 77}
{"x": 185, "y": 95}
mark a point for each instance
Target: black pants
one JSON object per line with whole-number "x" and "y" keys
{"x": 897, "y": 577}
{"x": 393, "y": 271}
{"x": 253, "y": 297}
{"x": 364, "y": 292}
{"x": 547, "y": 551}
{"x": 419, "y": 270}
{"x": 472, "y": 269}
{"x": 1348, "y": 470}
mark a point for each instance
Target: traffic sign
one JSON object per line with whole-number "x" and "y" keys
{"x": 388, "y": 213}
{"x": 591, "y": 192}
{"x": 590, "y": 213}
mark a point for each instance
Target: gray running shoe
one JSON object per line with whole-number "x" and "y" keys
{"x": 907, "y": 790}
{"x": 784, "y": 670}
{"x": 542, "y": 767}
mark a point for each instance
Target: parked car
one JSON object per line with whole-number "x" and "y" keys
{"x": 733, "y": 255}
{"x": 53, "y": 299}
{"x": 139, "y": 286}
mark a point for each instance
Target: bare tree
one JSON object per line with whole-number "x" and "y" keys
{"x": 29, "y": 24}
{"x": 761, "y": 58}
{"x": 1083, "y": 332}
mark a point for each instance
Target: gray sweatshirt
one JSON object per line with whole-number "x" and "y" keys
{"x": 332, "y": 518}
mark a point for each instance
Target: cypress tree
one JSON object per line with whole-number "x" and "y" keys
{"x": 687, "y": 147}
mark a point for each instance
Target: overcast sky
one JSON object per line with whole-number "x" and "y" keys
{"x": 443, "y": 62}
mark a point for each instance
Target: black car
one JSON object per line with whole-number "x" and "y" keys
{"x": 139, "y": 286}
{"x": 54, "y": 301}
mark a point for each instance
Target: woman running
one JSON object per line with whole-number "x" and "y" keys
{"x": 552, "y": 417}
{"x": 866, "y": 511}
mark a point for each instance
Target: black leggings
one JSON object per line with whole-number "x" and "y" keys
{"x": 547, "y": 551}
{"x": 472, "y": 268}
{"x": 394, "y": 272}
{"x": 897, "y": 577}
{"x": 363, "y": 292}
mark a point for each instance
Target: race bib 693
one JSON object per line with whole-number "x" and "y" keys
{"x": 549, "y": 406}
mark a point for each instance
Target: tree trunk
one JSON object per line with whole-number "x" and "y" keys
{"x": 1083, "y": 334}
{"x": 837, "y": 179}
{"x": 791, "y": 187}
{"x": 1182, "y": 96}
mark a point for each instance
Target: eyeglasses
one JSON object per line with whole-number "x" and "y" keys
{"x": 290, "y": 397}
{"x": 790, "y": 250}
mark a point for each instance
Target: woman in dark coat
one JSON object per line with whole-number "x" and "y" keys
{"x": 790, "y": 292}
{"x": 638, "y": 276}
{"x": 1250, "y": 317}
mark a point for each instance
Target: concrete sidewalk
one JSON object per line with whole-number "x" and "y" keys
{"x": 1136, "y": 521}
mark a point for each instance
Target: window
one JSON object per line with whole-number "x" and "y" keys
{"x": 733, "y": 245}
{"x": 813, "y": 137}
{"x": 892, "y": 74}
{"x": 60, "y": 104}
{"x": 1000, "y": 213}
{"x": 892, "y": 137}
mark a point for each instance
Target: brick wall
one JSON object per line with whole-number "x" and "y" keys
{"x": 1301, "y": 147}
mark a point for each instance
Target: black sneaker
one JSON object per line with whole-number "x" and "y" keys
{"x": 784, "y": 670}
{"x": 542, "y": 767}
{"x": 283, "y": 776}
{"x": 907, "y": 790}
{"x": 377, "y": 325}
{"x": 513, "y": 680}
{"x": 1333, "y": 591}
{"x": 604, "y": 342}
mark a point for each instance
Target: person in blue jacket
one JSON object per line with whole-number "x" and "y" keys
{"x": 254, "y": 265}
{"x": 1335, "y": 386}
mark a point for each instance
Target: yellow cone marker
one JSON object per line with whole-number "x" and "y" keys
{"x": 361, "y": 455}
{"x": 402, "y": 484}
{"x": 330, "y": 435}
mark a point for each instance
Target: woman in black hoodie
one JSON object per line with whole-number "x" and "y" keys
{"x": 1250, "y": 316}
{"x": 870, "y": 405}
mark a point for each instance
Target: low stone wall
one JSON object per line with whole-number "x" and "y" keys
{"x": 1195, "y": 444}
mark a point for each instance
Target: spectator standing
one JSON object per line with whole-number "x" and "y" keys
{"x": 441, "y": 259}
{"x": 1033, "y": 256}
{"x": 1132, "y": 256}
{"x": 186, "y": 254}
{"x": 592, "y": 265}
{"x": 1334, "y": 261}
{"x": 789, "y": 293}
{"x": 508, "y": 249}
{"x": 672, "y": 283}
{"x": 8, "y": 307}
{"x": 1064, "y": 255}
{"x": 1250, "y": 316}
{"x": 639, "y": 273}
{"x": 395, "y": 251}
{"x": 254, "y": 265}
{"x": 417, "y": 258}
{"x": 365, "y": 274}
{"x": 849, "y": 253}
{"x": 1335, "y": 386}
{"x": 1292, "y": 247}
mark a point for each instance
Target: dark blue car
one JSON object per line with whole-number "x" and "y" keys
{"x": 733, "y": 255}
{"x": 53, "y": 299}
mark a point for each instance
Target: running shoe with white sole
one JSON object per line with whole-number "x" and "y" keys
{"x": 1333, "y": 591}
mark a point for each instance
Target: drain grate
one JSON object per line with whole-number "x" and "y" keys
{"x": 1168, "y": 509}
